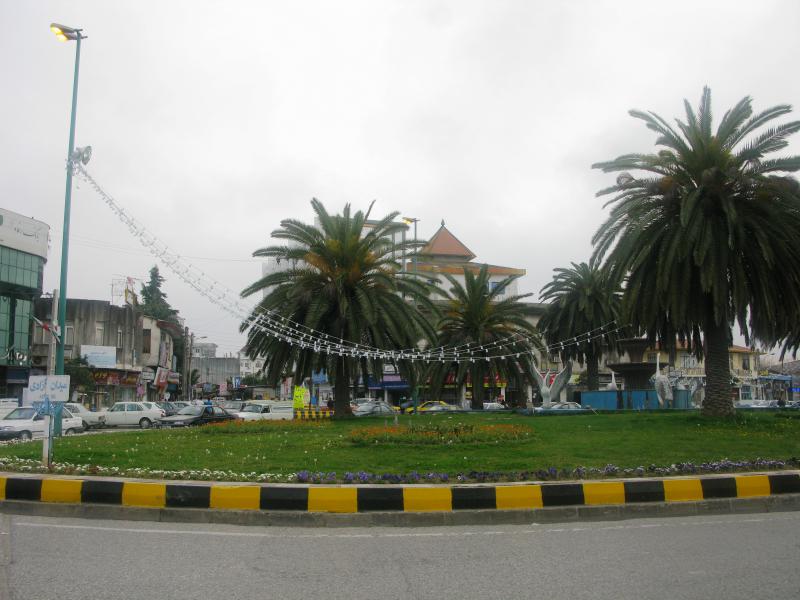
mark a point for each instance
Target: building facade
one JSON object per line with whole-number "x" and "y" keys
{"x": 24, "y": 246}
{"x": 106, "y": 338}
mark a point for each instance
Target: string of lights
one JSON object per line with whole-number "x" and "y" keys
{"x": 291, "y": 332}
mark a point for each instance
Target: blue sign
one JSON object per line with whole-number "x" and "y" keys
{"x": 319, "y": 377}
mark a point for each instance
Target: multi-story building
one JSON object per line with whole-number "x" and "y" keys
{"x": 107, "y": 337}
{"x": 249, "y": 366}
{"x": 160, "y": 373}
{"x": 23, "y": 253}
{"x": 204, "y": 350}
{"x": 446, "y": 254}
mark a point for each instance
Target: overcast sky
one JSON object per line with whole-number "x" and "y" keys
{"x": 212, "y": 121}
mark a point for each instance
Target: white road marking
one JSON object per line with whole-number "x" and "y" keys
{"x": 431, "y": 534}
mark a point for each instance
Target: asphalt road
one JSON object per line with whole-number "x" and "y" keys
{"x": 730, "y": 556}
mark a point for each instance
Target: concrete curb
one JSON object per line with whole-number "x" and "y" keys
{"x": 389, "y": 505}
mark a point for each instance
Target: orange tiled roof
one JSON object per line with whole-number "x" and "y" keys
{"x": 444, "y": 243}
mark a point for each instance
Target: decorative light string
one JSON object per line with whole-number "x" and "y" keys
{"x": 284, "y": 329}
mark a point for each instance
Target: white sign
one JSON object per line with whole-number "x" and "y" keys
{"x": 44, "y": 388}
{"x": 23, "y": 233}
{"x": 103, "y": 357}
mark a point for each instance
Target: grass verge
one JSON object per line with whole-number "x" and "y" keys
{"x": 564, "y": 444}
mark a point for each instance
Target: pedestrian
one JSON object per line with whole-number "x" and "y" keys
{"x": 330, "y": 402}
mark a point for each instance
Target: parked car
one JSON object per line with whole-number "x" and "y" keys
{"x": 493, "y": 406}
{"x": 131, "y": 414}
{"x": 258, "y": 411}
{"x": 25, "y": 422}
{"x": 233, "y": 406}
{"x": 179, "y": 404}
{"x": 561, "y": 407}
{"x": 197, "y": 415}
{"x": 89, "y": 418}
{"x": 433, "y": 406}
{"x": 168, "y": 407}
{"x": 7, "y": 405}
{"x": 374, "y": 407}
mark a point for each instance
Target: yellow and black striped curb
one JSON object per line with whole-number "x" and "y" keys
{"x": 389, "y": 498}
{"x": 313, "y": 414}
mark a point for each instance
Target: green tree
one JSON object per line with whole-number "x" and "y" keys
{"x": 154, "y": 300}
{"x": 81, "y": 376}
{"x": 493, "y": 325}
{"x": 582, "y": 300}
{"x": 340, "y": 279}
{"x": 707, "y": 235}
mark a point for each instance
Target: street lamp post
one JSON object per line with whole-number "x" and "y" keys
{"x": 64, "y": 34}
{"x": 408, "y": 221}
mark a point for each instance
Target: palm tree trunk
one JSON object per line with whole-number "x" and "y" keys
{"x": 592, "y": 372}
{"x": 718, "y": 401}
{"x": 341, "y": 389}
{"x": 477, "y": 388}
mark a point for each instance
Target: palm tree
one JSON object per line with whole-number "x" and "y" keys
{"x": 341, "y": 281}
{"x": 487, "y": 326}
{"x": 707, "y": 236}
{"x": 584, "y": 302}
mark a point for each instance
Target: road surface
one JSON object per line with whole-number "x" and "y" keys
{"x": 730, "y": 556}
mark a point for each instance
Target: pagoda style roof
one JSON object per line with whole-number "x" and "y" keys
{"x": 443, "y": 243}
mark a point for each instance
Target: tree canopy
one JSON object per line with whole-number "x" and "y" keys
{"x": 704, "y": 234}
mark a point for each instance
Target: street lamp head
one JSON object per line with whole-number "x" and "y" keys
{"x": 409, "y": 220}
{"x": 82, "y": 154}
{"x": 64, "y": 33}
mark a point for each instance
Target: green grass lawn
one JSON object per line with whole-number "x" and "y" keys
{"x": 627, "y": 440}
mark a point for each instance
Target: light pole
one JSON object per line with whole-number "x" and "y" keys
{"x": 408, "y": 221}
{"x": 64, "y": 34}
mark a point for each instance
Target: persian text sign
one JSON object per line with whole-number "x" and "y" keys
{"x": 48, "y": 388}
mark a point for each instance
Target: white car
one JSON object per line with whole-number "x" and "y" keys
{"x": 263, "y": 411}
{"x": 90, "y": 418}
{"x": 25, "y": 422}
{"x": 374, "y": 407}
{"x": 133, "y": 414}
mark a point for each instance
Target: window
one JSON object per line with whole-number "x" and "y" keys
{"x": 117, "y": 408}
{"x": 38, "y": 335}
{"x": 99, "y": 334}
{"x": 493, "y": 285}
{"x": 746, "y": 363}
{"x": 652, "y": 357}
{"x": 145, "y": 341}
{"x": 119, "y": 337}
{"x": 69, "y": 335}
{"x": 689, "y": 362}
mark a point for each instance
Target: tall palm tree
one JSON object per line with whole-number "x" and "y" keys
{"x": 583, "y": 302}
{"x": 478, "y": 317}
{"x": 340, "y": 280}
{"x": 707, "y": 235}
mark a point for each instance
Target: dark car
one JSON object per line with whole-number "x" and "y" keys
{"x": 168, "y": 407}
{"x": 197, "y": 415}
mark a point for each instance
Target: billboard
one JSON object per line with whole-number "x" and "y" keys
{"x": 23, "y": 233}
{"x": 102, "y": 357}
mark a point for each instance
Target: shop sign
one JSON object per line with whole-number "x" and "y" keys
{"x": 23, "y": 233}
{"x": 148, "y": 375}
{"x": 129, "y": 379}
{"x": 106, "y": 378}
{"x": 103, "y": 357}
{"x": 161, "y": 377}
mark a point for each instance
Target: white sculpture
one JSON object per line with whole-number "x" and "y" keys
{"x": 554, "y": 390}
{"x": 613, "y": 385}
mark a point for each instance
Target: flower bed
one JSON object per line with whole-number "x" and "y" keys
{"x": 439, "y": 433}
{"x": 412, "y": 477}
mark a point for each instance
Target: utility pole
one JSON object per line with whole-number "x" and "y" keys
{"x": 51, "y": 357}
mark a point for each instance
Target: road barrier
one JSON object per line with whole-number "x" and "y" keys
{"x": 390, "y": 498}
{"x": 313, "y": 414}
